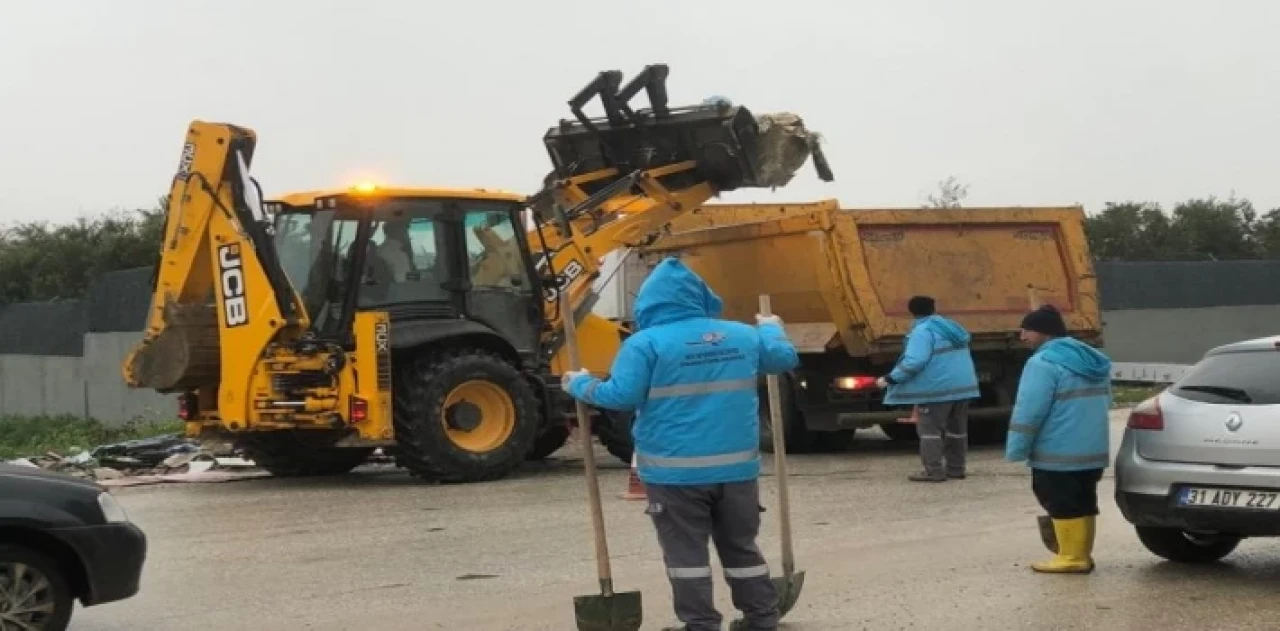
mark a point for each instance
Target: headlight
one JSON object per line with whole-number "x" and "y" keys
{"x": 112, "y": 511}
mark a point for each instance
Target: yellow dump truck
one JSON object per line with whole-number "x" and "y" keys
{"x": 840, "y": 279}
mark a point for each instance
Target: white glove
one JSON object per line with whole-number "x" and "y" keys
{"x": 569, "y": 376}
{"x": 882, "y": 383}
{"x": 768, "y": 319}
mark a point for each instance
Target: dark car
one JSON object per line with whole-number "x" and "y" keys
{"x": 62, "y": 539}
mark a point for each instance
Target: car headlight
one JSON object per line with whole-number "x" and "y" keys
{"x": 112, "y": 511}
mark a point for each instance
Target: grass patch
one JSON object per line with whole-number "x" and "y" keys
{"x": 64, "y": 435}
{"x": 1129, "y": 395}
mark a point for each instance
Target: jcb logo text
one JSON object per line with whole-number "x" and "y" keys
{"x": 235, "y": 309}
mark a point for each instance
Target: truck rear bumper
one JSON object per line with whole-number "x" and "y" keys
{"x": 861, "y": 420}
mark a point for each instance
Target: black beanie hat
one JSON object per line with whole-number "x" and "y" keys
{"x": 920, "y": 306}
{"x": 1045, "y": 320}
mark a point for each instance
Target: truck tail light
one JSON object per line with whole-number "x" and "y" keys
{"x": 857, "y": 382}
{"x": 1147, "y": 416}
{"x": 188, "y": 406}
{"x": 358, "y": 410}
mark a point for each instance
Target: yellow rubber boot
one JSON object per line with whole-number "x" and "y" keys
{"x": 1074, "y": 545}
{"x": 1091, "y": 522}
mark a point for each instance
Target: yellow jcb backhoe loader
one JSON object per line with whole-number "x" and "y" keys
{"x": 316, "y": 327}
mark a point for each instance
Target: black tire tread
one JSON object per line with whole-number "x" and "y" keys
{"x": 549, "y": 442}
{"x": 1172, "y": 545}
{"x": 418, "y": 393}
{"x": 64, "y": 600}
{"x": 614, "y": 431}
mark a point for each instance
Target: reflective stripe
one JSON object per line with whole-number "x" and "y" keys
{"x": 689, "y": 572}
{"x": 695, "y": 462}
{"x": 957, "y": 435}
{"x": 1022, "y": 428}
{"x": 1103, "y": 458}
{"x": 931, "y": 396}
{"x": 707, "y": 387}
{"x": 1081, "y": 393}
{"x": 938, "y": 437}
{"x": 746, "y": 572}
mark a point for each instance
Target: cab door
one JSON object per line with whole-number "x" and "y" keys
{"x": 500, "y": 292}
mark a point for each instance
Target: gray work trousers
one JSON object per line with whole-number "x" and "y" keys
{"x": 729, "y": 514}
{"x": 944, "y": 436}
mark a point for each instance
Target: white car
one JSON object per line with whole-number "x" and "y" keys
{"x": 1199, "y": 465}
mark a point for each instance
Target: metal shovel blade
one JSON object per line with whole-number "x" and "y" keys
{"x": 620, "y": 612}
{"x": 1047, "y": 534}
{"x": 788, "y": 588}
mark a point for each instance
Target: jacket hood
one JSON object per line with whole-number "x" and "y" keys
{"x": 1077, "y": 357}
{"x": 948, "y": 330}
{"x": 672, "y": 293}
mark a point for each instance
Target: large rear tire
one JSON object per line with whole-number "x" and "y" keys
{"x": 463, "y": 416}
{"x": 614, "y": 431}
{"x": 289, "y": 455}
{"x": 1183, "y": 547}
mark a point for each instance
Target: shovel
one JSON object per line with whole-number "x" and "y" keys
{"x": 609, "y": 611}
{"x": 791, "y": 581}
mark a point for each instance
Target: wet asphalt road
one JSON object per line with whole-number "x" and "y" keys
{"x": 375, "y": 550}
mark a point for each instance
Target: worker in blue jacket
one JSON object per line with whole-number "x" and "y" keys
{"x": 692, "y": 378}
{"x": 935, "y": 374}
{"x": 1060, "y": 428}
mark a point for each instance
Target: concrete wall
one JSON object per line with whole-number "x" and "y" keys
{"x": 88, "y": 386}
{"x": 1181, "y": 336}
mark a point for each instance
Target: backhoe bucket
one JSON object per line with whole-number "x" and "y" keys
{"x": 732, "y": 148}
{"x": 619, "y": 611}
{"x": 789, "y": 588}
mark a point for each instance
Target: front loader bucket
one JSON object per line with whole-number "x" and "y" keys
{"x": 732, "y": 148}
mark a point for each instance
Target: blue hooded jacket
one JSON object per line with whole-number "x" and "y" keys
{"x": 935, "y": 366}
{"x": 692, "y": 380}
{"x": 1061, "y": 414}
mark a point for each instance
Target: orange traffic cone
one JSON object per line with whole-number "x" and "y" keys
{"x": 635, "y": 488}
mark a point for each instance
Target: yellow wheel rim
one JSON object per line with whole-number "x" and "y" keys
{"x": 479, "y": 416}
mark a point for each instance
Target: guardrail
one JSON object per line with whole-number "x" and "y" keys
{"x": 1126, "y": 372}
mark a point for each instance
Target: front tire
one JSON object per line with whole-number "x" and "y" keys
{"x": 463, "y": 416}
{"x": 36, "y": 589}
{"x": 1180, "y": 546}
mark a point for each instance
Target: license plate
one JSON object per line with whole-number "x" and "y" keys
{"x": 1230, "y": 498}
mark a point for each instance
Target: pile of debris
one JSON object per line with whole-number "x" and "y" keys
{"x": 167, "y": 458}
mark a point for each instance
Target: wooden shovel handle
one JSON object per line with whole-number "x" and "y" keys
{"x": 779, "y": 457}
{"x": 588, "y": 449}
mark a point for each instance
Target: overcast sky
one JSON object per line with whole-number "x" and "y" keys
{"x": 1030, "y": 102}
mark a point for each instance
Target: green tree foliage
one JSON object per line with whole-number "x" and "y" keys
{"x": 42, "y": 261}
{"x": 1196, "y": 230}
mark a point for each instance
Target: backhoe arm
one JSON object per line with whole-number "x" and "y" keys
{"x": 220, "y": 295}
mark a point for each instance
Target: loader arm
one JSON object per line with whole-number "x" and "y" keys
{"x": 618, "y": 180}
{"x": 220, "y": 295}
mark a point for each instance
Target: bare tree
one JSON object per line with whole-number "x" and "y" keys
{"x": 950, "y": 193}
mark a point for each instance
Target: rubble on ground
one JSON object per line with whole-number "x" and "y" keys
{"x": 167, "y": 455}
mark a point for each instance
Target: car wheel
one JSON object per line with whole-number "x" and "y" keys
{"x": 34, "y": 592}
{"x": 1186, "y": 547}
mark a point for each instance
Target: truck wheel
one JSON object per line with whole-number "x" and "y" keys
{"x": 286, "y": 455}
{"x": 614, "y": 431}
{"x": 988, "y": 431}
{"x": 463, "y": 416}
{"x": 832, "y": 442}
{"x": 1184, "y": 547}
{"x": 35, "y": 590}
{"x": 551, "y": 440}
{"x": 799, "y": 438}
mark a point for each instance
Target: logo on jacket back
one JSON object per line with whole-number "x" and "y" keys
{"x": 235, "y": 308}
{"x": 712, "y": 338}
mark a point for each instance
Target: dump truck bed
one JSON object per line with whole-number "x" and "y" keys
{"x": 843, "y": 277}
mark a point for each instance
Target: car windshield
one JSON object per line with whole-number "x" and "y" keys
{"x": 1241, "y": 378}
